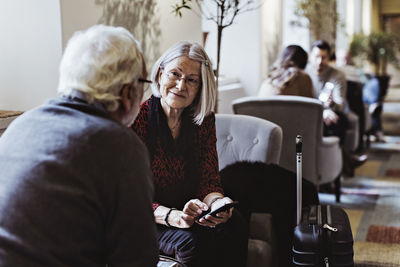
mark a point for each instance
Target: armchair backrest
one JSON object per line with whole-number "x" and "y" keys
{"x": 295, "y": 115}
{"x": 245, "y": 138}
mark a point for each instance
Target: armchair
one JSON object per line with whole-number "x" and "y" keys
{"x": 351, "y": 140}
{"x": 322, "y": 156}
{"x": 248, "y": 138}
{"x": 361, "y": 109}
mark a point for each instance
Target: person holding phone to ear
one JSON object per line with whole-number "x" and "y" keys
{"x": 177, "y": 124}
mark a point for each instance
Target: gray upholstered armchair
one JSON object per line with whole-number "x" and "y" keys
{"x": 322, "y": 156}
{"x": 245, "y": 138}
{"x": 351, "y": 140}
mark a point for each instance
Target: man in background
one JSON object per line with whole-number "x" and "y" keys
{"x": 75, "y": 181}
{"x": 330, "y": 87}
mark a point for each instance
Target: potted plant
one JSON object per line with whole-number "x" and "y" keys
{"x": 224, "y": 16}
{"x": 321, "y": 18}
{"x": 379, "y": 49}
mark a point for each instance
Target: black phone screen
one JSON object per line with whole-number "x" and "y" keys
{"x": 220, "y": 209}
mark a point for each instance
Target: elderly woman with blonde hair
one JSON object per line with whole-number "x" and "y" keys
{"x": 178, "y": 126}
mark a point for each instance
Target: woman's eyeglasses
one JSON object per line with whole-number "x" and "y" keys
{"x": 175, "y": 76}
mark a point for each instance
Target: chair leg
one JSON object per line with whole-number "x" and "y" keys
{"x": 337, "y": 188}
{"x": 368, "y": 143}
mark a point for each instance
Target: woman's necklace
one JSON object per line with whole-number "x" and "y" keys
{"x": 177, "y": 124}
{"x": 175, "y": 129}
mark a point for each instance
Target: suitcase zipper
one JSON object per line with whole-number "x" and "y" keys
{"x": 322, "y": 237}
{"x": 329, "y": 220}
{"x": 327, "y": 226}
{"x": 325, "y": 218}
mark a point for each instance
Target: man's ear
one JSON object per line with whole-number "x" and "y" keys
{"x": 126, "y": 97}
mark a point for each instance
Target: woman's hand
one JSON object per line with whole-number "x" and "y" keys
{"x": 221, "y": 217}
{"x": 185, "y": 218}
{"x": 192, "y": 210}
{"x": 179, "y": 219}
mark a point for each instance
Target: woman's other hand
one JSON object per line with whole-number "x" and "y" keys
{"x": 185, "y": 218}
{"x": 193, "y": 209}
{"x": 179, "y": 219}
{"x": 221, "y": 217}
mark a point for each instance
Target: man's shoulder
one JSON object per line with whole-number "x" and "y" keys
{"x": 335, "y": 73}
{"x": 77, "y": 123}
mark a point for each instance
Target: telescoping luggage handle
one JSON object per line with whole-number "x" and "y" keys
{"x": 299, "y": 176}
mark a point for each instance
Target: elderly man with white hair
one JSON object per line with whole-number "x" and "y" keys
{"x": 75, "y": 182}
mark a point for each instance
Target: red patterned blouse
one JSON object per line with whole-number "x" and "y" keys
{"x": 168, "y": 168}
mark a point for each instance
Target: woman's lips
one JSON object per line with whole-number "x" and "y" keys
{"x": 177, "y": 95}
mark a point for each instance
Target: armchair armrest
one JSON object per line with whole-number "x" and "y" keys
{"x": 352, "y": 132}
{"x": 328, "y": 142}
{"x": 331, "y": 165}
{"x": 368, "y": 118}
{"x": 261, "y": 227}
{"x": 262, "y": 245}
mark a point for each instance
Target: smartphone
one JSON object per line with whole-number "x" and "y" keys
{"x": 326, "y": 92}
{"x": 220, "y": 209}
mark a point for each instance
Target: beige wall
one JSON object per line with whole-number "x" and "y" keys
{"x": 375, "y": 13}
{"x": 241, "y": 43}
{"x": 174, "y": 28}
{"x": 35, "y": 32}
{"x": 30, "y": 51}
{"x": 382, "y": 7}
{"x": 78, "y": 15}
{"x": 271, "y": 34}
{"x": 153, "y": 24}
{"x": 390, "y": 6}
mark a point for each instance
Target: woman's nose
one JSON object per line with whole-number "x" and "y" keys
{"x": 181, "y": 84}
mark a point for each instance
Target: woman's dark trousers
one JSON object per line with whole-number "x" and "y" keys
{"x": 268, "y": 188}
{"x": 224, "y": 245}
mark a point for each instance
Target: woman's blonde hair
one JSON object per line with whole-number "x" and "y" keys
{"x": 204, "y": 104}
{"x": 98, "y": 62}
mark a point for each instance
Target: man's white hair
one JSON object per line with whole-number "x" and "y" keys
{"x": 98, "y": 62}
{"x": 204, "y": 102}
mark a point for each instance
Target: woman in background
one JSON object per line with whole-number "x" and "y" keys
{"x": 287, "y": 75}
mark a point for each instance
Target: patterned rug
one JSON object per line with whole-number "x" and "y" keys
{"x": 372, "y": 201}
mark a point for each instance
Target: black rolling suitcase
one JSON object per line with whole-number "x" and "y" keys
{"x": 323, "y": 235}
